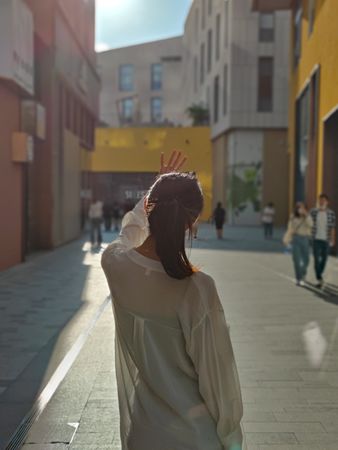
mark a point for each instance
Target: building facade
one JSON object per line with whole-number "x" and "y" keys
{"x": 141, "y": 84}
{"x": 126, "y": 161}
{"x": 49, "y": 90}
{"x": 313, "y": 102}
{"x": 236, "y": 66}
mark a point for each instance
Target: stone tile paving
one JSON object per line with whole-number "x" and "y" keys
{"x": 289, "y": 404}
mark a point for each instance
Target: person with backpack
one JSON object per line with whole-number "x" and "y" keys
{"x": 323, "y": 235}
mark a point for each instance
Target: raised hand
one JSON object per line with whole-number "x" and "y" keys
{"x": 176, "y": 161}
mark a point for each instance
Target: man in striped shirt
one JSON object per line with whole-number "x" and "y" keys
{"x": 323, "y": 235}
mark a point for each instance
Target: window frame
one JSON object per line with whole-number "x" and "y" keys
{"x": 123, "y": 86}
{"x": 265, "y": 82}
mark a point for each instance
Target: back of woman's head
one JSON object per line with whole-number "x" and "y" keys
{"x": 174, "y": 202}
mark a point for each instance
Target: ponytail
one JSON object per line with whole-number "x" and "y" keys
{"x": 174, "y": 203}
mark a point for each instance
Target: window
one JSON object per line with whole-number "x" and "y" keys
{"x": 216, "y": 98}
{"x": 225, "y": 90}
{"x": 203, "y": 14}
{"x": 266, "y": 27}
{"x": 156, "y": 77}
{"x": 218, "y": 36}
{"x": 156, "y": 109}
{"x": 306, "y": 141}
{"x": 202, "y": 68}
{"x": 297, "y": 33}
{"x": 311, "y": 13}
{"x": 209, "y": 50}
{"x": 127, "y": 109}
{"x": 209, "y": 7}
{"x": 226, "y": 23}
{"x": 265, "y": 84}
{"x": 196, "y": 23}
{"x": 126, "y": 77}
{"x": 195, "y": 74}
{"x": 208, "y": 98}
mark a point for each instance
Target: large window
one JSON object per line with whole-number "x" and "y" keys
{"x": 216, "y": 99}
{"x": 226, "y": 23}
{"x": 218, "y": 36}
{"x": 297, "y": 33}
{"x": 156, "y": 109}
{"x": 203, "y": 14}
{"x": 202, "y": 63}
{"x": 266, "y": 27}
{"x": 306, "y": 142}
{"x": 209, "y": 50}
{"x": 127, "y": 109}
{"x": 195, "y": 74}
{"x": 156, "y": 77}
{"x": 126, "y": 77}
{"x": 196, "y": 23}
{"x": 209, "y": 7}
{"x": 225, "y": 90}
{"x": 265, "y": 84}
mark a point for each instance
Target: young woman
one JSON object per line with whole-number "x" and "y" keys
{"x": 299, "y": 233}
{"x": 177, "y": 380}
{"x": 219, "y": 218}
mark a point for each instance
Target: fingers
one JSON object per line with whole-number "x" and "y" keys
{"x": 175, "y": 162}
{"x": 172, "y": 158}
{"x": 183, "y": 161}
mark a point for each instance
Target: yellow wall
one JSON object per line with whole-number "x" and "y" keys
{"x": 319, "y": 48}
{"x": 139, "y": 150}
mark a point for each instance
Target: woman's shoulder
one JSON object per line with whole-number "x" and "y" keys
{"x": 201, "y": 296}
{"x": 112, "y": 253}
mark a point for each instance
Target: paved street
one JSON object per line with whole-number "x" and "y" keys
{"x": 57, "y": 336}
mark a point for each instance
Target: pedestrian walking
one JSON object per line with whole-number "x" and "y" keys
{"x": 299, "y": 234}
{"x": 219, "y": 216}
{"x": 95, "y": 215}
{"x": 268, "y": 218}
{"x": 323, "y": 235}
{"x": 116, "y": 216}
{"x": 107, "y": 216}
{"x": 177, "y": 379}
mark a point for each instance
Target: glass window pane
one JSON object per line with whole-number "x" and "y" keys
{"x": 266, "y": 27}
{"x": 156, "y": 76}
{"x": 156, "y": 109}
{"x": 126, "y": 77}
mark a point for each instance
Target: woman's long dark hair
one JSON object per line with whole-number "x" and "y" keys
{"x": 174, "y": 202}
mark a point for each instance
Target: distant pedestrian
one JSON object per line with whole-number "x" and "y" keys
{"x": 107, "y": 216}
{"x": 96, "y": 216}
{"x": 195, "y": 230}
{"x": 176, "y": 374}
{"x": 299, "y": 233}
{"x": 116, "y": 216}
{"x": 323, "y": 235}
{"x": 219, "y": 217}
{"x": 268, "y": 218}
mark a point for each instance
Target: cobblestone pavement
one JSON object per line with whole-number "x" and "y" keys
{"x": 290, "y": 387}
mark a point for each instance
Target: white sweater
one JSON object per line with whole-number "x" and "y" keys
{"x": 177, "y": 379}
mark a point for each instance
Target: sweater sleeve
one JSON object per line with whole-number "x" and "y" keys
{"x": 210, "y": 349}
{"x": 134, "y": 231}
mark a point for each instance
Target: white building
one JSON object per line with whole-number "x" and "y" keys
{"x": 141, "y": 84}
{"x": 236, "y": 63}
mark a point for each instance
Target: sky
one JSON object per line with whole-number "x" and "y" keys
{"x": 120, "y": 23}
